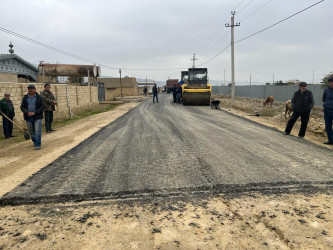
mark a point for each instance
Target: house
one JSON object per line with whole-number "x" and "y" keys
{"x": 15, "y": 69}
{"x": 114, "y": 87}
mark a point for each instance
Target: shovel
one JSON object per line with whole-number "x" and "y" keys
{"x": 26, "y": 134}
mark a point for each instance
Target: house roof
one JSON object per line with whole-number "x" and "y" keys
{"x": 14, "y": 56}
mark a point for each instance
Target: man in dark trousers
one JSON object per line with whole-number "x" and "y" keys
{"x": 174, "y": 93}
{"x": 145, "y": 91}
{"x": 155, "y": 91}
{"x": 7, "y": 108}
{"x": 179, "y": 94}
{"x": 50, "y": 103}
{"x": 328, "y": 110}
{"x": 302, "y": 103}
{"x": 32, "y": 107}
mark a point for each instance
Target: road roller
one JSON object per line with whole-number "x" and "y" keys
{"x": 197, "y": 91}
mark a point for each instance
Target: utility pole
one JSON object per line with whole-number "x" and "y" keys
{"x": 250, "y": 79}
{"x": 232, "y": 55}
{"x": 312, "y": 76}
{"x": 121, "y": 85}
{"x": 193, "y": 59}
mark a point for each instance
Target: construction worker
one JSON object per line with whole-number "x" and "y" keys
{"x": 302, "y": 103}
{"x": 32, "y": 107}
{"x": 328, "y": 110}
{"x": 155, "y": 93}
{"x": 7, "y": 108}
{"x": 50, "y": 103}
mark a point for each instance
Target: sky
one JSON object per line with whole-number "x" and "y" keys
{"x": 157, "y": 38}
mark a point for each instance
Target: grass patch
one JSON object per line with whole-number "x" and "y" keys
{"x": 56, "y": 124}
{"x": 86, "y": 113}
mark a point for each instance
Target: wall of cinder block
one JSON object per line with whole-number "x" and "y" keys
{"x": 79, "y": 98}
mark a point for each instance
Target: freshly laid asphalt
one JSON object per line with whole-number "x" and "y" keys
{"x": 168, "y": 149}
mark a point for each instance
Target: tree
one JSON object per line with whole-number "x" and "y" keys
{"x": 280, "y": 83}
{"x": 267, "y": 83}
{"x": 324, "y": 80}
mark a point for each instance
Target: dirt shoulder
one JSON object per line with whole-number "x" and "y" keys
{"x": 252, "y": 221}
{"x": 20, "y": 160}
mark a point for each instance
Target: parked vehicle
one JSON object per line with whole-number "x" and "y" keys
{"x": 170, "y": 84}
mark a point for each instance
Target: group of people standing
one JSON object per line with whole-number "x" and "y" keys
{"x": 33, "y": 106}
{"x": 302, "y": 103}
{"x": 177, "y": 93}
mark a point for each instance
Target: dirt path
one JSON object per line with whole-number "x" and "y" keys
{"x": 20, "y": 161}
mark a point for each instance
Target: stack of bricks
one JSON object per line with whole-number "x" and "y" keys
{"x": 79, "y": 98}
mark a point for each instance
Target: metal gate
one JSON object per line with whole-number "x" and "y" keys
{"x": 101, "y": 92}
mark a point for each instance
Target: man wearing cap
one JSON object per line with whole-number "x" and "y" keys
{"x": 50, "y": 103}
{"x": 7, "y": 108}
{"x": 328, "y": 110}
{"x": 32, "y": 107}
{"x": 302, "y": 103}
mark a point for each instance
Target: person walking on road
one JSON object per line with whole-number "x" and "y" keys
{"x": 145, "y": 91}
{"x": 174, "y": 93}
{"x": 32, "y": 107}
{"x": 7, "y": 108}
{"x": 155, "y": 93}
{"x": 328, "y": 110}
{"x": 179, "y": 94}
{"x": 50, "y": 103}
{"x": 302, "y": 103}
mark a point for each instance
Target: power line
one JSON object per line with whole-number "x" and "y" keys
{"x": 215, "y": 55}
{"x": 44, "y": 45}
{"x": 256, "y": 33}
{"x": 244, "y": 7}
{"x": 67, "y": 53}
{"x": 219, "y": 28}
{"x": 264, "y": 30}
{"x": 256, "y": 11}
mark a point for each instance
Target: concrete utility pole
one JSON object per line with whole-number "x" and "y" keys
{"x": 273, "y": 79}
{"x": 193, "y": 59}
{"x": 312, "y": 76}
{"x": 250, "y": 79}
{"x": 121, "y": 85}
{"x": 232, "y": 55}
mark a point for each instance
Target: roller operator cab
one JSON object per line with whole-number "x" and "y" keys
{"x": 197, "y": 91}
{"x": 184, "y": 76}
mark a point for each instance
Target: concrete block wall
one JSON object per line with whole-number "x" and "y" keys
{"x": 80, "y": 98}
{"x": 280, "y": 93}
{"x": 8, "y": 77}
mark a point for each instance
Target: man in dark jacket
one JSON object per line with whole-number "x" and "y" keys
{"x": 179, "y": 94}
{"x": 328, "y": 110}
{"x": 302, "y": 103}
{"x": 32, "y": 107}
{"x": 50, "y": 103}
{"x": 155, "y": 91}
{"x": 174, "y": 93}
{"x": 7, "y": 108}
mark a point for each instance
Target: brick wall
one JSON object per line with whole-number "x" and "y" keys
{"x": 79, "y": 98}
{"x": 8, "y": 77}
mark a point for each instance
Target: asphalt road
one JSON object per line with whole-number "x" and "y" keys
{"x": 165, "y": 148}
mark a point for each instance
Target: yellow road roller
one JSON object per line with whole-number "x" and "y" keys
{"x": 197, "y": 91}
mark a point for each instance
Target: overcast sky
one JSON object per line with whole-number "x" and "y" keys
{"x": 163, "y": 34}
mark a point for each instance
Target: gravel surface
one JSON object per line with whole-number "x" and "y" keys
{"x": 169, "y": 149}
